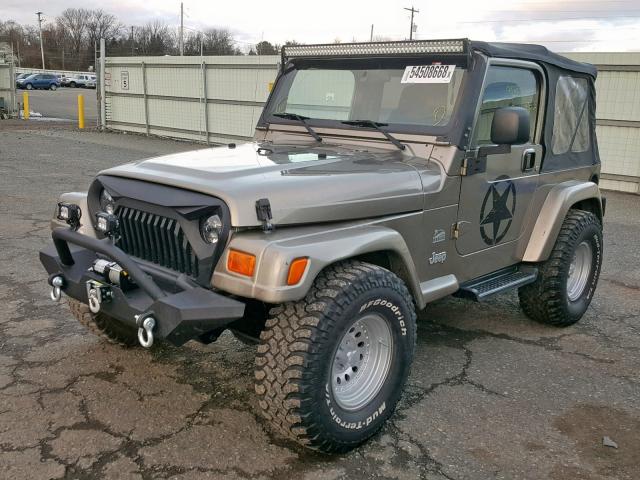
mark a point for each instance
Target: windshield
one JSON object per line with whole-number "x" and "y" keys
{"x": 412, "y": 96}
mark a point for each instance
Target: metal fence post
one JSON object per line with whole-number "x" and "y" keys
{"x": 12, "y": 91}
{"x": 103, "y": 97}
{"x": 206, "y": 102}
{"x": 144, "y": 93}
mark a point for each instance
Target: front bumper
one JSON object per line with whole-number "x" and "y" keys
{"x": 184, "y": 313}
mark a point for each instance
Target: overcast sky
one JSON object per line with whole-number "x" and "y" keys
{"x": 563, "y": 25}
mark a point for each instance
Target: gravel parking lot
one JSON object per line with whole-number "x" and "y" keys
{"x": 492, "y": 394}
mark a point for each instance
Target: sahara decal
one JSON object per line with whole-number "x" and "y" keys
{"x": 439, "y": 235}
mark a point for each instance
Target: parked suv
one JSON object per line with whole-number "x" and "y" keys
{"x": 39, "y": 80}
{"x": 382, "y": 177}
{"x": 81, "y": 80}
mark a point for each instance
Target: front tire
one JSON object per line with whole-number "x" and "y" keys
{"x": 29, "y": 86}
{"x": 103, "y": 325}
{"x": 330, "y": 368}
{"x": 567, "y": 280}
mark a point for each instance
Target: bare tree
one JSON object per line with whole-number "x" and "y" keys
{"x": 265, "y": 48}
{"x": 74, "y": 22}
{"x": 155, "y": 38}
{"x": 102, "y": 25}
{"x": 219, "y": 41}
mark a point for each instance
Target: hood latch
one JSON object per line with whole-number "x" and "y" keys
{"x": 263, "y": 212}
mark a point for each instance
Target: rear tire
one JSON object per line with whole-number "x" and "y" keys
{"x": 567, "y": 280}
{"x": 324, "y": 375}
{"x": 52, "y": 87}
{"x": 103, "y": 325}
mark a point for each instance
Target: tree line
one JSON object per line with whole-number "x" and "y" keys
{"x": 70, "y": 40}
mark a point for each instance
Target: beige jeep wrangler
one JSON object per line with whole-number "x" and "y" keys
{"x": 382, "y": 176}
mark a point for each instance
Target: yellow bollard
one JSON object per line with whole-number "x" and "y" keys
{"x": 25, "y": 105}
{"x": 80, "y": 111}
{"x": 270, "y": 86}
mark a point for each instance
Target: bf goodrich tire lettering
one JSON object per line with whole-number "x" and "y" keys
{"x": 295, "y": 357}
{"x": 567, "y": 280}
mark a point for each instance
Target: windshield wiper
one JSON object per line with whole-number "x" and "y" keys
{"x": 302, "y": 119}
{"x": 377, "y": 126}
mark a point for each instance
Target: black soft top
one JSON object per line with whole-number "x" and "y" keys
{"x": 538, "y": 53}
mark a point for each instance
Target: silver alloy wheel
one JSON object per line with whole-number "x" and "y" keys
{"x": 362, "y": 362}
{"x": 579, "y": 271}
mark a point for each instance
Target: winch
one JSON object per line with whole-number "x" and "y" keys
{"x": 113, "y": 273}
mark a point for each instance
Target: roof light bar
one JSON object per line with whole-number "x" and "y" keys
{"x": 460, "y": 46}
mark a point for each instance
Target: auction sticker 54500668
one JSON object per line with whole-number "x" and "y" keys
{"x": 428, "y": 73}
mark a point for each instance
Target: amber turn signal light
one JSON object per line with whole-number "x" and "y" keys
{"x": 296, "y": 270}
{"x": 241, "y": 262}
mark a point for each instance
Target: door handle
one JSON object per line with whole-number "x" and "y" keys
{"x": 528, "y": 159}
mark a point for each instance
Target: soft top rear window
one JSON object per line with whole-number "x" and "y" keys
{"x": 571, "y": 116}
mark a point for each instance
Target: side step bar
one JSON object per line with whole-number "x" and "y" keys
{"x": 497, "y": 282}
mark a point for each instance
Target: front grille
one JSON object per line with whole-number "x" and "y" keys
{"x": 156, "y": 239}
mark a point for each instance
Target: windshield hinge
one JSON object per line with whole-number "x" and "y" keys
{"x": 473, "y": 163}
{"x": 263, "y": 212}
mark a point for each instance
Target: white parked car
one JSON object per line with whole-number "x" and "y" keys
{"x": 81, "y": 80}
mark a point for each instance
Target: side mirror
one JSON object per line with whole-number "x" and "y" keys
{"x": 510, "y": 126}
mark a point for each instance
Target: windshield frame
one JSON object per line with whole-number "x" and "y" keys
{"x": 449, "y": 130}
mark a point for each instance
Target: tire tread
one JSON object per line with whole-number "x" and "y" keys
{"x": 287, "y": 356}
{"x": 103, "y": 325}
{"x": 543, "y": 300}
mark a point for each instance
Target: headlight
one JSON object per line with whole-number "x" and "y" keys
{"x": 211, "y": 229}
{"x": 106, "y": 202}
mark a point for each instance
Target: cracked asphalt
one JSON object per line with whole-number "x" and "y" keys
{"x": 492, "y": 395}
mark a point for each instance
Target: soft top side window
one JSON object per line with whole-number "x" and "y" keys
{"x": 571, "y": 116}
{"x": 506, "y": 87}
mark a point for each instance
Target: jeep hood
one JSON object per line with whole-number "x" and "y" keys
{"x": 303, "y": 184}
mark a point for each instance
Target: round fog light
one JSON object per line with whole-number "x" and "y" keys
{"x": 211, "y": 229}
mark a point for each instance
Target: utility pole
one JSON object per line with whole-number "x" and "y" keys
{"x": 413, "y": 11}
{"x": 132, "y": 53}
{"x": 181, "y": 29}
{"x": 371, "y": 37}
{"x": 39, "y": 14}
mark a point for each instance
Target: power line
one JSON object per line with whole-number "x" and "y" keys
{"x": 561, "y": 19}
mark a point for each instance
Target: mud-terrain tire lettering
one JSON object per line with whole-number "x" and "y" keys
{"x": 295, "y": 355}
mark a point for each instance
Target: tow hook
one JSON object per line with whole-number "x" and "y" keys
{"x": 57, "y": 283}
{"x": 97, "y": 293}
{"x": 146, "y": 323}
